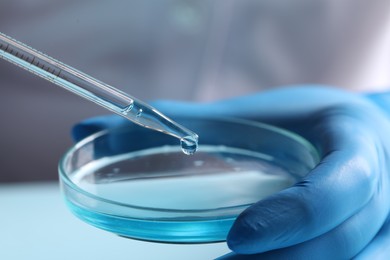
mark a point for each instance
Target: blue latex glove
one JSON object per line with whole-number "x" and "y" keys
{"x": 341, "y": 208}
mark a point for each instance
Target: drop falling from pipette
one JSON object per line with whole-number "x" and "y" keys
{"x": 189, "y": 145}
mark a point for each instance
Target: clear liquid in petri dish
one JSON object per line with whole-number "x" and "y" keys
{"x": 168, "y": 179}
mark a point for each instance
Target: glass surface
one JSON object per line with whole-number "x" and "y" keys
{"x": 138, "y": 184}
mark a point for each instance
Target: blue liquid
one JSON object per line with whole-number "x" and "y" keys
{"x": 180, "y": 231}
{"x": 161, "y": 194}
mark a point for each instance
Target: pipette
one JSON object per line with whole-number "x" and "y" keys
{"x": 94, "y": 90}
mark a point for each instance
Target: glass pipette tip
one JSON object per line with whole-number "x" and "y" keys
{"x": 94, "y": 90}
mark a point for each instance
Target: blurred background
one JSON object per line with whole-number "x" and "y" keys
{"x": 193, "y": 50}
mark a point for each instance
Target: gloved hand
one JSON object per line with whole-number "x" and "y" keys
{"x": 341, "y": 208}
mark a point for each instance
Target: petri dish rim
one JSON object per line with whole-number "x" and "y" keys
{"x": 166, "y": 225}
{"x": 64, "y": 176}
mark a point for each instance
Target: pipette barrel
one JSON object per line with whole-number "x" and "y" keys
{"x": 89, "y": 88}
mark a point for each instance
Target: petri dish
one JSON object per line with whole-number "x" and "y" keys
{"x": 137, "y": 183}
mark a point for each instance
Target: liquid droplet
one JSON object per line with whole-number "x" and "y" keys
{"x": 189, "y": 144}
{"x": 139, "y": 113}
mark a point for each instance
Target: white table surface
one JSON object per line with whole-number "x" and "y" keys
{"x": 35, "y": 224}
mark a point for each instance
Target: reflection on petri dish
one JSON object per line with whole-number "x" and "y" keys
{"x": 150, "y": 190}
